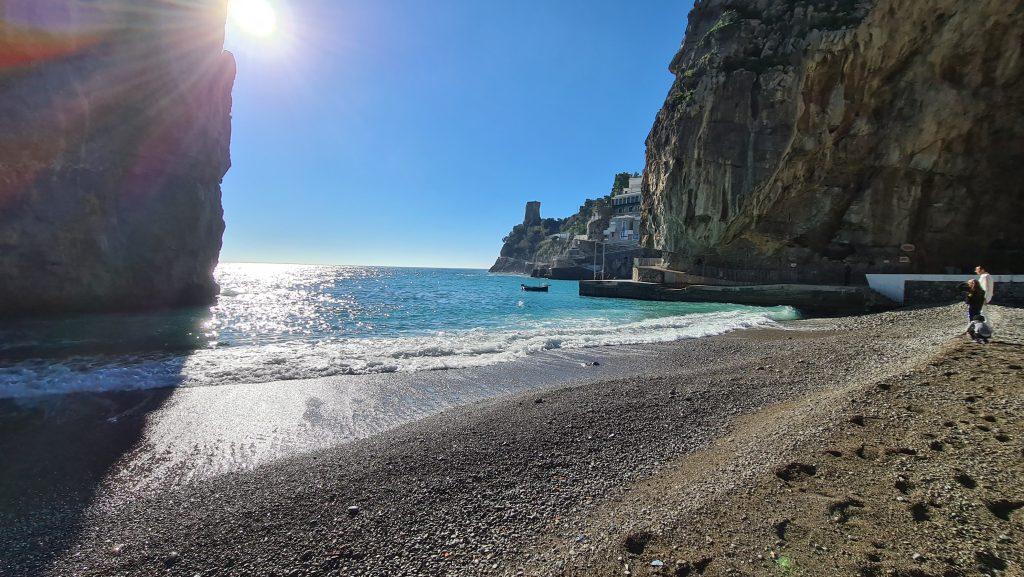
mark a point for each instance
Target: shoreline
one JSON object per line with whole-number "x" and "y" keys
{"x": 499, "y": 474}
{"x": 37, "y": 372}
{"x": 190, "y": 433}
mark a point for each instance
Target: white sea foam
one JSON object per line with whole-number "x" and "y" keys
{"x": 301, "y": 359}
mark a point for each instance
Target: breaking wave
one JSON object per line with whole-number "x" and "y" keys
{"x": 304, "y": 359}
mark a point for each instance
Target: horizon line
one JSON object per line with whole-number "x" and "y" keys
{"x": 351, "y": 264}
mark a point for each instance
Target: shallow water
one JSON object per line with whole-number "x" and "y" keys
{"x": 282, "y": 322}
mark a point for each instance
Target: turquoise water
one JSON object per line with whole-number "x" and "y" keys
{"x": 280, "y": 322}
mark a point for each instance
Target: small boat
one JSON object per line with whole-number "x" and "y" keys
{"x": 537, "y": 289}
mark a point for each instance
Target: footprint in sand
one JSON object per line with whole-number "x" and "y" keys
{"x": 780, "y": 528}
{"x": 909, "y": 451}
{"x": 636, "y": 542}
{"x": 795, "y": 472}
{"x": 686, "y": 568}
{"x": 867, "y": 452}
{"x": 965, "y": 480}
{"x": 919, "y": 512}
{"x": 988, "y": 561}
{"x": 904, "y": 486}
{"x": 1004, "y": 508}
{"x": 841, "y": 511}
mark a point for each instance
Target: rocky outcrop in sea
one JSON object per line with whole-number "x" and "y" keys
{"x": 829, "y": 138}
{"x": 117, "y": 126}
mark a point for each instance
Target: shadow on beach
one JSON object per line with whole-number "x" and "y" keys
{"x": 56, "y": 453}
{"x": 56, "y": 450}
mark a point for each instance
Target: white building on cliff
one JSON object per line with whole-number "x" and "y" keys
{"x": 624, "y": 226}
{"x": 627, "y": 200}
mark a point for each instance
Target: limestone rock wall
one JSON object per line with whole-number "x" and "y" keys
{"x": 830, "y": 137}
{"x": 116, "y": 121}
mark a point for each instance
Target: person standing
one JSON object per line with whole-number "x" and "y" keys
{"x": 975, "y": 299}
{"x": 986, "y": 282}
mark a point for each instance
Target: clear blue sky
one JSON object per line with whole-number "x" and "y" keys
{"x": 412, "y": 132}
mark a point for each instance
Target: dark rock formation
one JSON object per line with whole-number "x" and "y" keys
{"x": 828, "y": 138}
{"x": 508, "y": 265}
{"x": 116, "y": 121}
{"x": 519, "y": 252}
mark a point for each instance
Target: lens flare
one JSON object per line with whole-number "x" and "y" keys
{"x": 255, "y": 17}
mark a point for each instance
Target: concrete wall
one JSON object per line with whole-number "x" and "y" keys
{"x": 825, "y": 300}
{"x": 648, "y": 274}
{"x": 918, "y": 292}
{"x": 676, "y": 278}
{"x": 894, "y": 285}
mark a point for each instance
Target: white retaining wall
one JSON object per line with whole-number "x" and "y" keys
{"x": 893, "y": 285}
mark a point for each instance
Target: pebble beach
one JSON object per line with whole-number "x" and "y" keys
{"x": 733, "y": 454}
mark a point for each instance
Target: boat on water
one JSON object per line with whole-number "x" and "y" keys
{"x": 538, "y": 289}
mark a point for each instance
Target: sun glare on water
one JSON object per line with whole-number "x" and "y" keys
{"x": 255, "y": 17}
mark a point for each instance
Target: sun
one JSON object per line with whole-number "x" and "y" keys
{"x": 255, "y": 17}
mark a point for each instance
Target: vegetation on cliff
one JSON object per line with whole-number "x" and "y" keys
{"x": 524, "y": 240}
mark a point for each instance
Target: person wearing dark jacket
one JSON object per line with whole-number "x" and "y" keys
{"x": 975, "y": 299}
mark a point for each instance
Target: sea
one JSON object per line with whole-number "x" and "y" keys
{"x": 281, "y": 322}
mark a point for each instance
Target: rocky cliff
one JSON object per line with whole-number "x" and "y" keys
{"x": 519, "y": 251}
{"x": 116, "y": 121}
{"x": 824, "y": 137}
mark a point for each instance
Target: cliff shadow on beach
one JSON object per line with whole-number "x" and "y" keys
{"x": 58, "y": 450}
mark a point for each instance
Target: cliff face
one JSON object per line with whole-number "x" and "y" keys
{"x": 828, "y": 136}
{"x": 116, "y": 118}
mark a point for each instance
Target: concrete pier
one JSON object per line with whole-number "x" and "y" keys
{"x": 817, "y": 299}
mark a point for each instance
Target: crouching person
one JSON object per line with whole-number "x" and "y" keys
{"x": 979, "y": 329}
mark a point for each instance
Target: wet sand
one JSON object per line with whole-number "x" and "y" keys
{"x": 518, "y": 480}
{"x": 189, "y": 434}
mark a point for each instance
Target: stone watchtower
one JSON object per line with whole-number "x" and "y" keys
{"x": 532, "y": 216}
